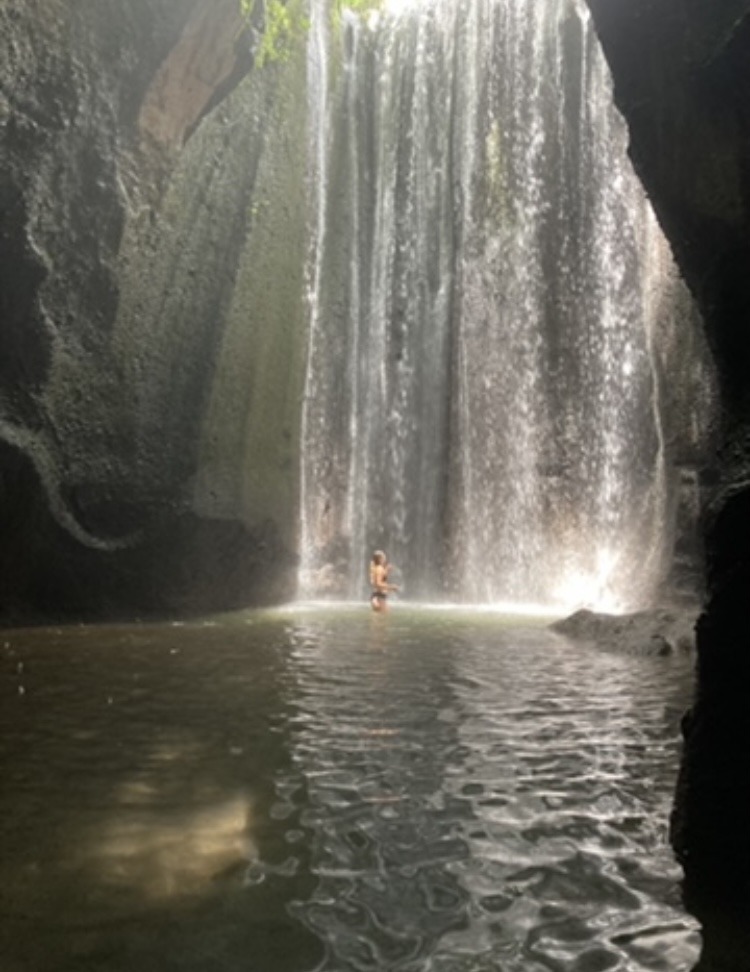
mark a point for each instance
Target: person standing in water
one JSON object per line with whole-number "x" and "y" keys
{"x": 379, "y": 585}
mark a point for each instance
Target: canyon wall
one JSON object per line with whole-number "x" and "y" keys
{"x": 682, "y": 79}
{"x": 147, "y": 458}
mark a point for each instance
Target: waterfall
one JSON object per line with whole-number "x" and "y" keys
{"x": 487, "y": 277}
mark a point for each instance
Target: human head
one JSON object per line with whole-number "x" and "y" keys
{"x": 378, "y": 557}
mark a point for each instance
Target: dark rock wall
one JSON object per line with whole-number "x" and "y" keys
{"x": 219, "y": 274}
{"x": 127, "y": 267}
{"x": 682, "y": 79}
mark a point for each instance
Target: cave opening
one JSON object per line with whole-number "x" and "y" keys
{"x": 253, "y": 296}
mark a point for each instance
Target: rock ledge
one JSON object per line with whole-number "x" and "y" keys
{"x": 657, "y": 632}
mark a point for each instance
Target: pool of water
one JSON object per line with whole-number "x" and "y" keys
{"x": 327, "y": 789}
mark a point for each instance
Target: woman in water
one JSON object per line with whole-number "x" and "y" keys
{"x": 379, "y": 582}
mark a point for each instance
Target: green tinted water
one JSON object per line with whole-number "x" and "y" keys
{"x": 329, "y": 789}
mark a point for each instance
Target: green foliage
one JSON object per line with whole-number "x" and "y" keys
{"x": 285, "y": 24}
{"x": 359, "y": 7}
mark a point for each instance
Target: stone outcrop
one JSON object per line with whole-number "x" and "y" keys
{"x": 150, "y": 198}
{"x": 659, "y": 632}
{"x": 682, "y": 79}
{"x": 209, "y": 58}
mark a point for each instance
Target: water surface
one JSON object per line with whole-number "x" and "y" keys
{"x": 333, "y": 790}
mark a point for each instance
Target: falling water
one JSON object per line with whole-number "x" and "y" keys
{"x": 482, "y": 396}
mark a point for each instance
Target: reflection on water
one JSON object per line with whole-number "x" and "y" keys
{"x": 174, "y": 854}
{"x": 332, "y": 790}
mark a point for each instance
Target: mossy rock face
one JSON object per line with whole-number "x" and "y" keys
{"x": 143, "y": 204}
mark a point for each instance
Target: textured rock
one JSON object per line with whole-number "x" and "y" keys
{"x": 200, "y": 68}
{"x": 118, "y": 327}
{"x": 658, "y": 632}
{"x": 682, "y": 81}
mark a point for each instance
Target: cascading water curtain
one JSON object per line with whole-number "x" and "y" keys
{"x": 486, "y": 279}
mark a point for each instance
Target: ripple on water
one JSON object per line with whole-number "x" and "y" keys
{"x": 418, "y": 793}
{"x": 509, "y": 797}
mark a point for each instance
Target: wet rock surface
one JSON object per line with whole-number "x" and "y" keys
{"x": 658, "y": 632}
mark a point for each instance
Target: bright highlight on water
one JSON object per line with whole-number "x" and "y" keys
{"x": 487, "y": 280}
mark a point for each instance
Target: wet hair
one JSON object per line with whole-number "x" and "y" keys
{"x": 378, "y": 555}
